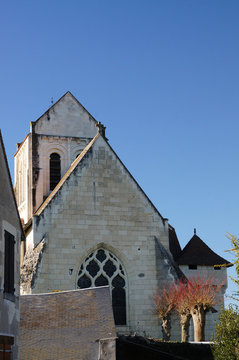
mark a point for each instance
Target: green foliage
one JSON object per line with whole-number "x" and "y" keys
{"x": 226, "y": 344}
{"x": 235, "y": 251}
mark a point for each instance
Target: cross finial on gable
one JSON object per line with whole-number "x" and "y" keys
{"x": 194, "y": 231}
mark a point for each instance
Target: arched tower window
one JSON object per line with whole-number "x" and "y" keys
{"x": 102, "y": 268}
{"x": 55, "y": 170}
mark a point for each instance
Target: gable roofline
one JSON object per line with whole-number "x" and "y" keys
{"x": 51, "y": 107}
{"x": 65, "y": 177}
{"x": 11, "y": 186}
{"x": 21, "y": 144}
{"x": 74, "y": 165}
{"x": 154, "y": 207}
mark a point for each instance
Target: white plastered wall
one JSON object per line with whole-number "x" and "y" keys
{"x": 218, "y": 277}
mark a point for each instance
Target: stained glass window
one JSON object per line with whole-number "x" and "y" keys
{"x": 101, "y": 255}
{"x": 84, "y": 282}
{"x": 109, "y": 268}
{"x": 102, "y": 268}
{"x": 101, "y": 281}
{"x": 92, "y": 268}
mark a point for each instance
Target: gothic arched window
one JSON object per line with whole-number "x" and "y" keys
{"x": 102, "y": 268}
{"x": 55, "y": 170}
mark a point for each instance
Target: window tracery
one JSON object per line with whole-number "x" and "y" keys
{"x": 102, "y": 268}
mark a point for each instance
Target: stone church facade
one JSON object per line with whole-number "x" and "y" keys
{"x": 88, "y": 223}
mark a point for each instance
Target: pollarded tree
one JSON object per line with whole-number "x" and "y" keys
{"x": 164, "y": 306}
{"x": 180, "y": 289}
{"x": 191, "y": 298}
{"x": 200, "y": 297}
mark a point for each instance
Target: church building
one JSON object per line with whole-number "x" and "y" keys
{"x": 88, "y": 223}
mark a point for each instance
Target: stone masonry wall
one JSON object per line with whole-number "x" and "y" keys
{"x": 100, "y": 205}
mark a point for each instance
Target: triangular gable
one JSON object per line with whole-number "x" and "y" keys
{"x": 67, "y": 117}
{"x": 76, "y": 163}
{"x": 139, "y": 187}
{"x": 5, "y": 176}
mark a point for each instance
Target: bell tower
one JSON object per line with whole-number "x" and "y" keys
{"x": 46, "y": 153}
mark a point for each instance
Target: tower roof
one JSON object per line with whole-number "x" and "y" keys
{"x": 198, "y": 253}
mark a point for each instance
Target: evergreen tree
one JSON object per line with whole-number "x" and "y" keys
{"x": 226, "y": 344}
{"x": 235, "y": 251}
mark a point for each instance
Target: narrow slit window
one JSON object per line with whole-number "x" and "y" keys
{"x": 55, "y": 170}
{"x": 9, "y": 263}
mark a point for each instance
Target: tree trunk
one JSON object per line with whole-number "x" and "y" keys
{"x": 166, "y": 327}
{"x": 185, "y": 323}
{"x": 199, "y": 319}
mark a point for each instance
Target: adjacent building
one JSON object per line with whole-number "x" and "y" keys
{"x": 11, "y": 235}
{"x": 69, "y": 325}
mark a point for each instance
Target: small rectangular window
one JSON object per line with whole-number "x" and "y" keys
{"x": 216, "y": 267}
{"x": 9, "y": 263}
{"x": 192, "y": 267}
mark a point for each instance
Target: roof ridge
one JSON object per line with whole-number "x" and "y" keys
{"x": 121, "y": 162}
{"x": 66, "y": 175}
{"x": 73, "y": 166}
{"x": 68, "y": 92}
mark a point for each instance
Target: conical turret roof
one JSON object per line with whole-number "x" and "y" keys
{"x": 196, "y": 252}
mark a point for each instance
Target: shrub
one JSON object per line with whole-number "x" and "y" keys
{"x": 226, "y": 343}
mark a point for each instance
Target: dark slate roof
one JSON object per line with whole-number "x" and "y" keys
{"x": 174, "y": 245}
{"x": 196, "y": 252}
{"x": 65, "y": 325}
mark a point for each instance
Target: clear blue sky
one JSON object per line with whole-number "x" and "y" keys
{"x": 162, "y": 76}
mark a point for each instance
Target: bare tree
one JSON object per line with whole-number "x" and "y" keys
{"x": 198, "y": 297}
{"x": 164, "y": 306}
{"x": 180, "y": 289}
